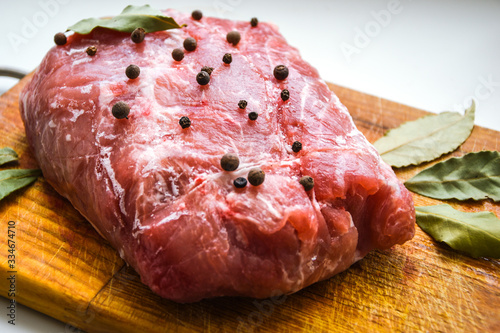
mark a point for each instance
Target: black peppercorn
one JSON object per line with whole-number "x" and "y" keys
{"x": 256, "y": 176}
{"x": 229, "y": 162}
{"x": 242, "y": 104}
{"x": 307, "y": 182}
{"x": 254, "y": 22}
{"x": 296, "y": 146}
{"x": 120, "y": 110}
{"x": 285, "y": 94}
{"x": 202, "y": 78}
{"x": 280, "y": 72}
{"x": 178, "y": 54}
{"x": 197, "y": 15}
{"x": 190, "y": 44}
{"x": 227, "y": 58}
{"x": 91, "y": 50}
{"x": 184, "y": 122}
{"x": 240, "y": 182}
{"x": 253, "y": 115}
{"x": 138, "y": 35}
{"x": 207, "y": 69}
{"x": 132, "y": 71}
{"x": 233, "y": 37}
{"x": 60, "y": 38}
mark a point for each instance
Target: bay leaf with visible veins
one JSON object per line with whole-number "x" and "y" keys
{"x": 128, "y": 20}
{"x": 7, "y": 155}
{"x": 473, "y": 176}
{"x": 476, "y": 234}
{"x": 426, "y": 139}
{"x": 14, "y": 179}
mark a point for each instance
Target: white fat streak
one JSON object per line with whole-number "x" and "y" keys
{"x": 175, "y": 188}
{"x": 147, "y": 83}
{"x": 68, "y": 137}
{"x": 149, "y": 155}
{"x": 304, "y": 94}
{"x": 86, "y": 89}
{"x": 76, "y": 114}
{"x": 246, "y": 217}
{"x": 76, "y": 50}
{"x": 161, "y": 192}
{"x": 140, "y": 230}
{"x": 269, "y": 206}
{"x": 175, "y": 38}
{"x": 340, "y": 140}
{"x": 153, "y": 158}
{"x": 108, "y": 136}
{"x": 137, "y": 222}
{"x": 52, "y": 124}
{"x": 158, "y": 251}
{"x": 290, "y": 162}
{"x": 269, "y": 111}
{"x": 172, "y": 217}
{"x": 105, "y": 94}
{"x": 117, "y": 188}
{"x": 79, "y": 61}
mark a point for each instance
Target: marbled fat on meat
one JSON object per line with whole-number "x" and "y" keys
{"x": 157, "y": 191}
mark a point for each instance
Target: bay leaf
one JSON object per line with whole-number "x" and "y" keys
{"x": 473, "y": 176}
{"x": 426, "y": 139}
{"x": 476, "y": 234}
{"x": 7, "y": 155}
{"x": 128, "y": 20}
{"x": 14, "y": 179}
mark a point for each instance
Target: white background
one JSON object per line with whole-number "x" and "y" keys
{"x": 435, "y": 55}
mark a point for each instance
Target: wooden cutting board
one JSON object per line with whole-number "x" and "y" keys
{"x": 66, "y": 270}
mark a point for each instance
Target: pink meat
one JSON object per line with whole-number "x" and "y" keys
{"x": 157, "y": 191}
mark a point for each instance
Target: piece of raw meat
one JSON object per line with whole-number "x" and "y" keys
{"x": 157, "y": 192}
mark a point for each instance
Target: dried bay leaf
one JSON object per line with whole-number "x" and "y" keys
{"x": 473, "y": 176}
{"x": 7, "y": 155}
{"x": 14, "y": 179}
{"x": 476, "y": 234}
{"x": 426, "y": 139}
{"x": 128, "y": 20}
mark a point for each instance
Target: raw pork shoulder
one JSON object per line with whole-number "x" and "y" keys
{"x": 157, "y": 192}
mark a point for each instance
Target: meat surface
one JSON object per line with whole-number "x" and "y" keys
{"x": 157, "y": 192}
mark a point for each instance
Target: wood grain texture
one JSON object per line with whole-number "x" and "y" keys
{"x": 66, "y": 270}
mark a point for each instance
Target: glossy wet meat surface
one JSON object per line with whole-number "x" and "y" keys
{"x": 157, "y": 191}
